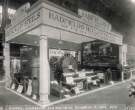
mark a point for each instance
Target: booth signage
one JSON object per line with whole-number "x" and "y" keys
{"x": 69, "y": 24}
{"x": 60, "y": 53}
{"x": 94, "y": 20}
{"x": 64, "y": 21}
{"x": 26, "y": 24}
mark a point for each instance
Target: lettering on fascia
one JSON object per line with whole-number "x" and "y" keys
{"x": 94, "y": 20}
{"x": 24, "y": 24}
{"x": 69, "y": 24}
{"x": 64, "y": 22}
{"x": 32, "y": 18}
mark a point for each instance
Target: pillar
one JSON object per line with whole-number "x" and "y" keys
{"x": 7, "y": 64}
{"x": 44, "y": 76}
{"x": 123, "y": 57}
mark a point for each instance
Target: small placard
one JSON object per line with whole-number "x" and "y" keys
{"x": 100, "y": 75}
{"x": 80, "y": 85}
{"x": 70, "y": 67}
{"x": 34, "y": 97}
{"x": 69, "y": 80}
{"x": 29, "y": 90}
{"x": 89, "y": 80}
{"x": 20, "y": 89}
{"x": 82, "y": 74}
{"x": 77, "y": 91}
{"x": 67, "y": 96}
{"x": 94, "y": 82}
{"x": 13, "y": 86}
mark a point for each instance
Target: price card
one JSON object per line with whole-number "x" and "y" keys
{"x": 77, "y": 91}
{"x": 29, "y": 90}
{"x": 82, "y": 74}
{"x": 95, "y": 82}
{"x": 13, "y": 86}
{"x": 80, "y": 85}
{"x": 69, "y": 80}
{"x": 20, "y": 89}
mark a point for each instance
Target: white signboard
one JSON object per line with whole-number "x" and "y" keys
{"x": 60, "y": 53}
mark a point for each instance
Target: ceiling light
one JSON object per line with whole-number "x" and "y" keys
{"x": 133, "y": 1}
{"x": 11, "y": 11}
{"x": 60, "y": 42}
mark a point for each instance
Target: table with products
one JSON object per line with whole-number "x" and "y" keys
{"x": 82, "y": 79}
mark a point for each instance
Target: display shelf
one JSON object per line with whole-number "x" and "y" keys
{"x": 99, "y": 54}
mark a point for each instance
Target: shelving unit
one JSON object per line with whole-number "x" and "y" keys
{"x": 99, "y": 54}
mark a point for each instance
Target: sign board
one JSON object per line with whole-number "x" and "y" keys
{"x": 94, "y": 20}
{"x": 66, "y": 23}
{"x": 59, "y": 19}
{"x": 60, "y": 53}
{"x": 31, "y": 21}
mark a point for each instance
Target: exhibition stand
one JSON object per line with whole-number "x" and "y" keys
{"x": 60, "y": 53}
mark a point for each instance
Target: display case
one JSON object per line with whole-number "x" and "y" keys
{"x": 99, "y": 54}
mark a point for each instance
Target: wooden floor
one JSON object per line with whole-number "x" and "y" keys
{"x": 117, "y": 95}
{"x": 9, "y": 98}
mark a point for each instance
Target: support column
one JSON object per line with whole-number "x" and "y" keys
{"x": 121, "y": 60}
{"x": 44, "y": 77}
{"x": 7, "y": 64}
{"x": 123, "y": 57}
{"x": 131, "y": 74}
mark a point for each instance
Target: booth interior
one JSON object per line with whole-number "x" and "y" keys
{"x": 74, "y": 67}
